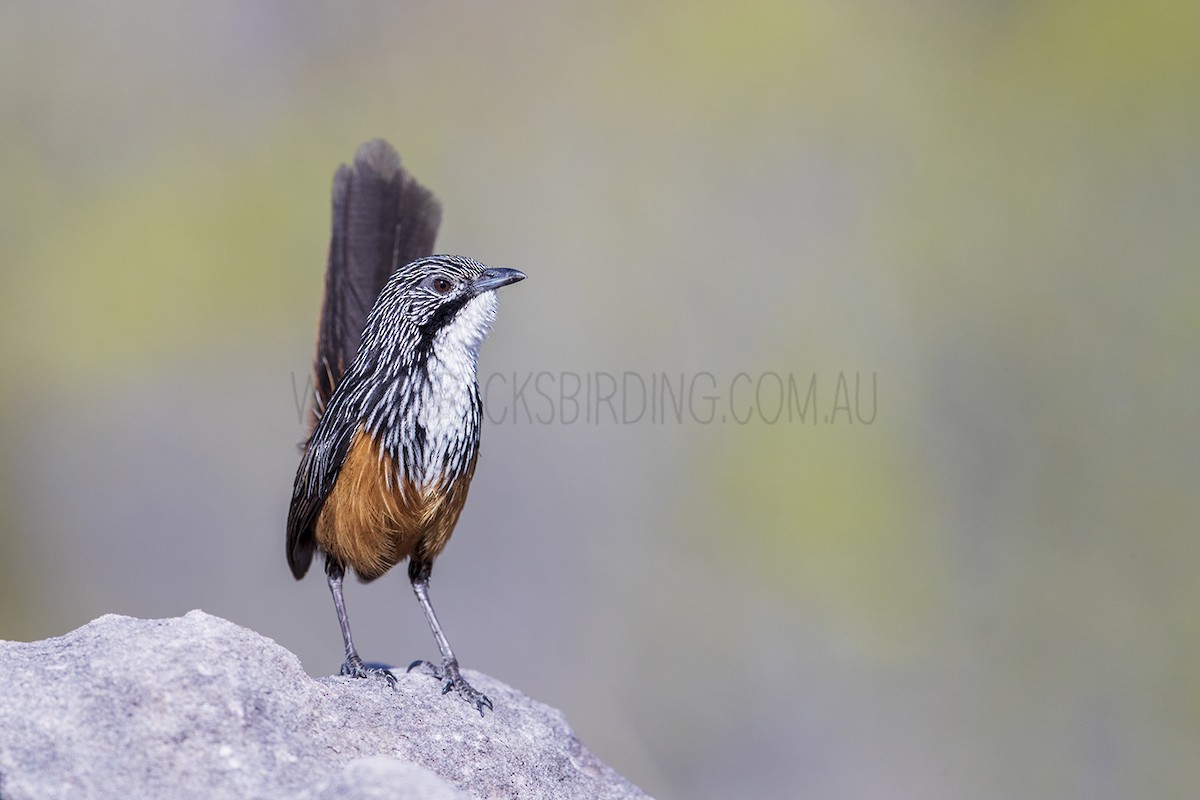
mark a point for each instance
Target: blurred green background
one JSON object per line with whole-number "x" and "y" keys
{"x": 989, "y": 211}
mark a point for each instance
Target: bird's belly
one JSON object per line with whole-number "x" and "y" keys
{"x": 373, "y": 519}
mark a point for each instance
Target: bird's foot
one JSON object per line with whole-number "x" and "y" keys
{"x": 449, "y": 673}
{"x": 355, "y": 668}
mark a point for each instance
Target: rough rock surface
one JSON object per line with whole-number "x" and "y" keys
{"x": 197, "y": 706}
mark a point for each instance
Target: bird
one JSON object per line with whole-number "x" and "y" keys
{"x": 395, "y": 422}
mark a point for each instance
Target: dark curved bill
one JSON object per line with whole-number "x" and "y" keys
{"x": 495, "y": 277}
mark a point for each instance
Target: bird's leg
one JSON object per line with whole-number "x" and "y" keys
{"x": 353, "y": 665}
{"x": 418, "y": 573}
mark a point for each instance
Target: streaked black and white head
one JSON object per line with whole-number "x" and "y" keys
{"x": 437, "y": 304}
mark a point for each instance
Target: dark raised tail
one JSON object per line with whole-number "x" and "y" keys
{"x": 382, "y": 220}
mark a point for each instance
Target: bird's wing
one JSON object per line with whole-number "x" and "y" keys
{"x": 315, "y": 477}
{"x": 382, "y": 220}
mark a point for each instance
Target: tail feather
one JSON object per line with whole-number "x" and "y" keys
{"x": 382, "y": 220}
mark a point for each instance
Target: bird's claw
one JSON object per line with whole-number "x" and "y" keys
{"x": 448, "y": 672}
{"x": 355, "y": 668}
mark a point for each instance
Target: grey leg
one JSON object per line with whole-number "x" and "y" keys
{"x": 448, "y": 671}
{"x": 353, "y": 666}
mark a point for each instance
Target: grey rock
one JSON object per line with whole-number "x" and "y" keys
{"x": 382, "y": 778}
{"x": 197, "y": 706}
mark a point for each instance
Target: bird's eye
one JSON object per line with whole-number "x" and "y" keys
{"x": 440, "y": 285}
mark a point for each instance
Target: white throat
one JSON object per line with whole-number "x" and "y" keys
{"x": 448, "y": 398}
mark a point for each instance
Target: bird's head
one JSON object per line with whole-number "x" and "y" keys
{"x": 442, "y": 300}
